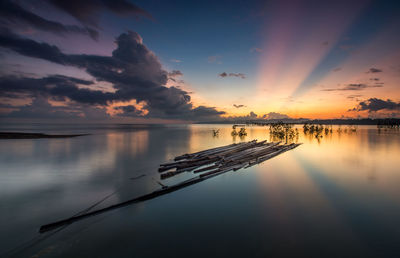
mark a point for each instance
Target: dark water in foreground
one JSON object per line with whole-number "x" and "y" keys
{"x": 336, "y": 197}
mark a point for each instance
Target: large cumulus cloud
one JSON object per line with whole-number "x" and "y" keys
{"x": 134, "y": 71}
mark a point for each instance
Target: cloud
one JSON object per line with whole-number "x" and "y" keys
{"x": 337, "y": 69}
{"x": 354, "y": 87}
{"x": 41, "y": 108}
{"x": 31, "y": 48}
{"x": 374, "y": 70}
{"x": 176, "y": 61}
{"x": 134, "y": 71}
{"x": 374, "y": 79}
{"x": 204, "y": 112}
{"x": 325, "y": 43}
{"x": 239, "y": 75}
{"x": 252, "y": 114}
{"x": 275, "y": 115}
{"x": 57, "y": 87}
{"x": 375, "y": 104}
{"x": 87, "y": 12}
{"x": 356, "y": 96}
{"x": 238, "y": 106}
{"x": 130, "y": 111}
{"x": 13, "y": 15}
{"x": 175, "y": 73}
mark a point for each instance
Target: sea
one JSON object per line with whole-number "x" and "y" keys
{"x": 336, "y": 195}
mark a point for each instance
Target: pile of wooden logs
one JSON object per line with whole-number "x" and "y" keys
{"x": 225, "y": 158}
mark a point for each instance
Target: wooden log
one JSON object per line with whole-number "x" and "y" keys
{"x": 185, "y": 156}
{"x": 199, "y": 163}
{"x": 170, "y": 174}
{"x": 271, "y": 155}
{"x": 224, "y": 161}
{"x": 240, "y": 148}
{"x": 208, "y": 152}
{"x": 154, "y": 194}
{"x": 185, "y": 169}
{"x": 181, "y": 164}
{"x": 246, "y": 158}
{"x": 250, "y": 151}
{"x": 206, "y": 168}
{"x": 218, "y": 171}
{"x": 219, "y": 152}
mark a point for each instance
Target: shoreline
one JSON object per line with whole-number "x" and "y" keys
{"x": 18, "y": 135}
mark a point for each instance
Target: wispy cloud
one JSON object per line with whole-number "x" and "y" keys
{"x": 175, "y": 73}
{"x": 354, "y": 96}
{"x": 87, "y": 12}
{"x": 13, "y": 15}
{"x": 173, "y": 76}
{"x": 239, "y": 75}
{"x": 374, "y": 70}
{"x": 354, "y": 87}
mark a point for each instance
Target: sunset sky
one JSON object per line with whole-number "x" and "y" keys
{"x": 173, "y": 61}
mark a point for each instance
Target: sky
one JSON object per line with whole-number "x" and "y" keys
{"x": 187, "y": 61}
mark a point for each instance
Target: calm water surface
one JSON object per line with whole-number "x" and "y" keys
{"x": 338, "y": 196}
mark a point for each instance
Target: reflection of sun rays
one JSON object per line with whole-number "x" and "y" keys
{"x": 342, "y": 190}
{"x": 299, "y": 187}
{"x": 281, "y": 185}
{"x": 271, "y": 183}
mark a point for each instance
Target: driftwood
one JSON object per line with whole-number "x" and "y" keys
{"x": 231, "y": 157}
